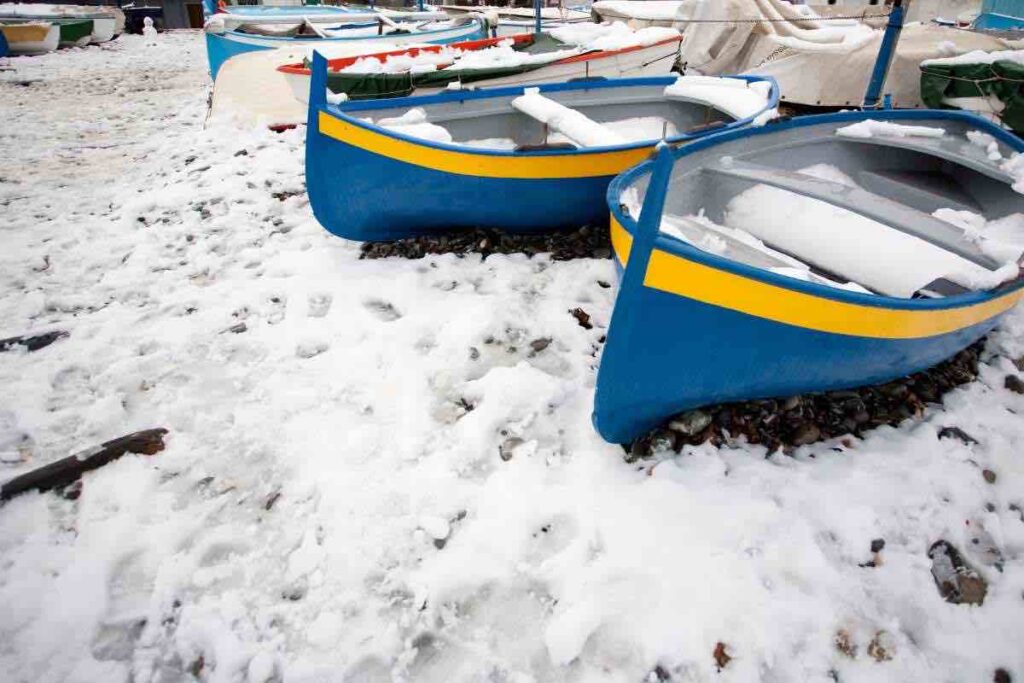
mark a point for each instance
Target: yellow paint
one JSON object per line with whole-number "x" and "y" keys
{"x": 676, "y": 275}
{"x": 586, "y": 165}
{"x": 25, "y": 33}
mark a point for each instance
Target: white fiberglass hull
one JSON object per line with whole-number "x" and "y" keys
{"x": 654, "y": 60}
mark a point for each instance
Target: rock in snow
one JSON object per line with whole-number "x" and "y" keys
{"x": 569, "y": 564}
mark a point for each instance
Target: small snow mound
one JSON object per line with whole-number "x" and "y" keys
{"x": 734, "y": 96}
{"x": 870, "y": 128}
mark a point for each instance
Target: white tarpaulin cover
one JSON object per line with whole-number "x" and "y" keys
{"x": 816, "y": 60}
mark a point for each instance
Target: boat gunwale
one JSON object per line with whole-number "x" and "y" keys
{"x": 299, "y": 69}
{"x": 340, "y": 111}
{"x": 679, "y": 248}
{"x": 476, "y": 23}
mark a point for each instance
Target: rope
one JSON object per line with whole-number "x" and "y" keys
{"x": 858, "y": 17}
{"x": 974, "y": 81}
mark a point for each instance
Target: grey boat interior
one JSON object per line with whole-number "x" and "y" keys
{"x": 898, "y": 182}
{"x": 496, "y": 118}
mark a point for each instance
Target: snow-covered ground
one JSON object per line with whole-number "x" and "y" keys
{"x": 334, "y": 501}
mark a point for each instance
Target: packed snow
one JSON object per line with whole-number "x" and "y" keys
{"x": 853, "y": 246}
{"x": 736, "y": 97}
{"x": 870, "y": 128}
{"x": 414, "y": 124}
{"x": 612, "y": 35}
{"x": 579, "y": 128}
{"x": 378, "y": 478}
{"x": 978, "y": 57}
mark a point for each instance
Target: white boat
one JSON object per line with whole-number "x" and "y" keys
{"x": 561, "y": 55}
{"x": 31, "y": 38}
{"x": 104, "y": 20}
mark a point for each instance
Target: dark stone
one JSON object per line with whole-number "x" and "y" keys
{"x": 508, "y": 447}
{"x": 957, "y": 433}
{"x": 1014, "y": 384}
{"x": 957, "y": 582}
{"x": 989, "y": 476}
{"x": 34, "y": 342}
{"x": 562, "y": 245}
{"x": 582, "y": 317}
{"x": 1001, "y": 676}
{"x": 806, "y": 433}
{"x": 539, "y": 345}
{"x": 877, "y": 545}
{"x": 722, "y": 657}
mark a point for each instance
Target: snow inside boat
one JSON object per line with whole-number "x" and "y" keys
{"x": 228, "y": 35}
{"x": 561, "y": 55}
{"x": 518, "y": 159}
{"x": 30, "y": 38}
{"x": 820, "y": 253}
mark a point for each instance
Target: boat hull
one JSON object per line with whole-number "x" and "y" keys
{"x": 221, "y": 47}
{"x": 446, "y": 187}
{"x": 76, "y": 32}
{"x": 653, "y": 60}
{"x": 690, "y": 343}
{"x": 31, "y": 39}
{"x": 691, "y": 329}
{"x": 361, "y": 205}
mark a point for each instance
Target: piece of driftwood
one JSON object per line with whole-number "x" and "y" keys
{"x": 69, "y": 469}
{"x": 34, "y": 342}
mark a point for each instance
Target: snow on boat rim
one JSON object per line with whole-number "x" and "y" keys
{"x": 300, "y": 69}
{"x": 336, "y": 63}
{"x": 346, "y": 111}
{"x": 625, "y": 225}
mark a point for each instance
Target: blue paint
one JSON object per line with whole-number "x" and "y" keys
{"x": 666, "y": 353}
{"x": 536, "y": 16}
{"x": 990, "y": 21}
{"x": 362, "y": 206}
{"x": 885, "y": 55}
{"x": 4, "y": 49}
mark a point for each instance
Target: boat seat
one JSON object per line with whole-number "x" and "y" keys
{"x": 874, "y": 206}
{"x": 579, "y": 128}
{"x": 951, "y": 148}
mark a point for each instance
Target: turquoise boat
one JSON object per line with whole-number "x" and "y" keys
{"x": 229, "y": 34}
{"x": 704, "y": 315}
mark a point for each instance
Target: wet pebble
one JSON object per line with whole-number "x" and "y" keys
{"x": 957, "y": 433}
{"x": 810, "y": 418}
{"x": 585, "y": 242}
{"x": 957, "y": 582}
{"x": 1014, "y": 384}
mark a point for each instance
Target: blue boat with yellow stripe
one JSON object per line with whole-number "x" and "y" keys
{"x": 713, "y": 305}
{"x": 384, "y": 170}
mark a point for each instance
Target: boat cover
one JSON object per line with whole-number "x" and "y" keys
{"x": 362, "y": 86}
{"x": 817, "y": 60}
{"x": 999, "y": 78}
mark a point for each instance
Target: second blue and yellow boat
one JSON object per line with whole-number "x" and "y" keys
{"x": 821, "y": 253}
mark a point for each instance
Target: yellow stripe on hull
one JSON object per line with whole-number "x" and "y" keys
{"x": 676, "y": 275}
{"x": 576, "y": 165}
